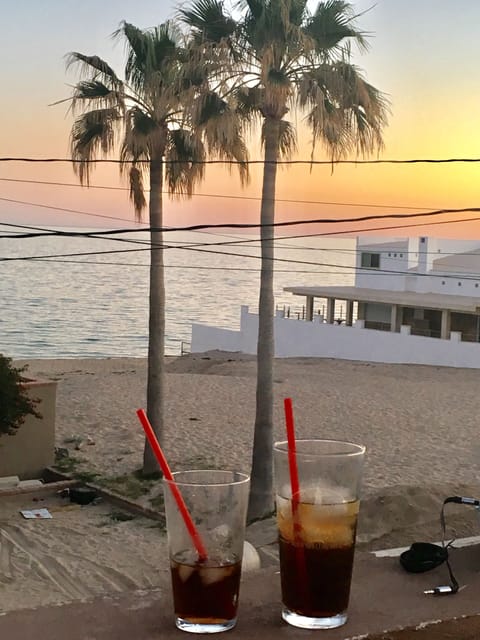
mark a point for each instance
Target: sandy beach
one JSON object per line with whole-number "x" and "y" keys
{"x": 420, "y": 426}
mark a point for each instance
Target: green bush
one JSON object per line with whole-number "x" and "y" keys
{"x": 15, "y": 403}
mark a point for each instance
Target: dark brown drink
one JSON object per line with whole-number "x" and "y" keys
{"x": 316, "y": 557}
{"x": 321, "y": 589}
{"x": 205, "y": 592}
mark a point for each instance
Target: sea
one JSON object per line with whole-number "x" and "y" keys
{"x": 87, "y": 297}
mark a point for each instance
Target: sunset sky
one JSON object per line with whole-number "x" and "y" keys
{"x": 424, "y": 55}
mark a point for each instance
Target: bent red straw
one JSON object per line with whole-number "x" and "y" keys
{"x": 162, "y": 461}
{"x": 292, "y": 454}
{"x": 295, "y": 486}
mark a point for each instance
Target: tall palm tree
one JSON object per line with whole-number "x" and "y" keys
{"x": 166, "y": 119}
{"x": 281, "y": 56}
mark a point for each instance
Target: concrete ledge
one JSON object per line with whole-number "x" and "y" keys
{"x": 112, "y": 497}
{"x": 385, "y": 600}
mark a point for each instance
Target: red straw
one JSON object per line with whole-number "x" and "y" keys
{"x": 162, "y": 461}
{"x": 295, "y": 486}
{"x": 292, "y": 454}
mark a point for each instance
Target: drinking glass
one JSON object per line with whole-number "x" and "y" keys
{"x": 317, "y": 529}
{"x": 205, "y": 591}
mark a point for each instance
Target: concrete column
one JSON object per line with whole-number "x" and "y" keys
{"x": 330, "y": 310}
{"x": 395, "y": 318}
{"x": 309, "y": 309}
{"x": 445, "y": 326}
{"x": 349, "y": 313}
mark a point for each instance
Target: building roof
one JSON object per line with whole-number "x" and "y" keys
{"x": 468, "y": 262}
{"x": 395, "y": 245}
{"x": 462, "y": 304}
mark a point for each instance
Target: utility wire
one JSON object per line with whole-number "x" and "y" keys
{"x": 250, "y": 240}
{"x": 181, "y": 266}
{"x": 236, "y": 162}
{"x": 354, "y": 268}
{"x": 46, "y": 206}
{"x": 224, "y": 196}
{"x": 348, "y": 231}
{"x": 236, "y": 225}
{"x": 240, "y": 255}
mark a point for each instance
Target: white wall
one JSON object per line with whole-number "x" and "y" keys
{"x": 413, "y": 253}
{"x": 393, "y": 258}
{"x": 315, "y": 339}
{"x": 443, "y": 283}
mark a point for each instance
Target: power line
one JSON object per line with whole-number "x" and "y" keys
{"x": 240, "y": 255}
{"x": 175, "y": 266}
{"x": 403, "y": 226}
{"x": 236, "y": 162}
{"x": 46, "y": 206}
{"x": 324, "y": 234}
{"x": 223, "y": 196}
{"x": 377, "y": 272}
{"x": 236, "y": 225}
{"x": 244, "y": 241}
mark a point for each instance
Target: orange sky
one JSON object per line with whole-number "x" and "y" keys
{"x": 424, "y": 57}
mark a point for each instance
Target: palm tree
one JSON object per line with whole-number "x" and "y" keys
{"x": 166, "y": 119}
{"x": 281, "y": 56}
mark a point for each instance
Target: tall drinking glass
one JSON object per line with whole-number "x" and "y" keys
{"x": 317, "y": 530}
{"x": 205, "y": 591}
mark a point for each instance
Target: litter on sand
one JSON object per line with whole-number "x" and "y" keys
{"x": 30, "y": 514}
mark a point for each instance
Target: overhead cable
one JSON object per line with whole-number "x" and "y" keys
{"x": 224, "y": 196}
{"x": 240, "y": 225}
{"x": 238, "y": 162}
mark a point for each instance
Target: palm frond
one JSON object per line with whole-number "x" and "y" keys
{"x": 185, "y": 155}
{"x": 96, "y": 94}
{"x": 255, "y": 7}
{"x": 332, "y": 25}
{"x": 298, "y": 12}
{"x": 92, "y": 66}
{"x": 139, "y": 55}
{"x": 209, "y": 105}
{"x": 141, "y": 136}
{"x": 166, "y": 44}
{"x": 92, "y": 133}
{"x": 287, "y": 140}
{"x": 249, "y": 101}
{"x": 208, "y": 21}
{"x": 344, "y": 111}
{"x": 223, "y": 136}
{"x": 137, "y": 193}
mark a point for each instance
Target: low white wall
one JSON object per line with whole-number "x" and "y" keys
{"x": 313, "y": 339}
{"x": 206, "y": 338}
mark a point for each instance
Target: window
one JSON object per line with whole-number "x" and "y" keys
{"x": 401, "y": 255}
{"x": 394, "y": 255}
{"x": 371, "y": 260}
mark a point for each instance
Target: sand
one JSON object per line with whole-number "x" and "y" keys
{"x": 420, "y": 426}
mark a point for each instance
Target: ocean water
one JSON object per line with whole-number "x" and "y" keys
{"x": 96, "y": 304}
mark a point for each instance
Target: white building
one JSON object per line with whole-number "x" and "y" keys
{"x": 415, "y": 300}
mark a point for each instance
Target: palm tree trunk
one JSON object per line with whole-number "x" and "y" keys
{"x": 156, "y": 324}
{"x": 261, "y": 488}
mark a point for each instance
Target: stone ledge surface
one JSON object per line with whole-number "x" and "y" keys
{"x": 385, "y": 600}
